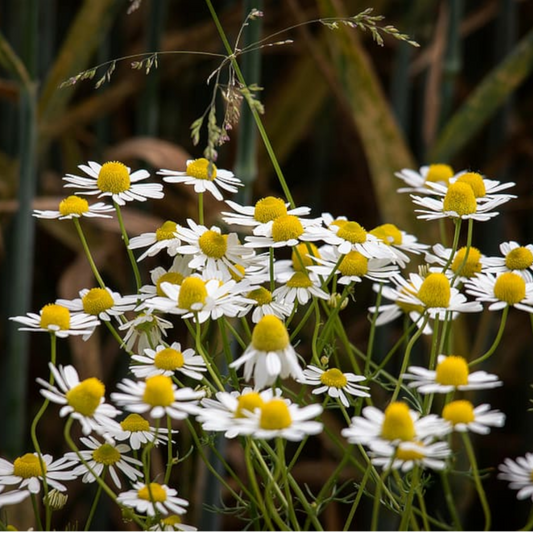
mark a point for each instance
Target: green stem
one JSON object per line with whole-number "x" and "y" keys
{"x": 529, "y": 524}
{"x": 377, "y": 500}
{"x": 208, "y": 363}
{"x": 371, "y": 334}
{"x": 448, "y": 494}
{"x": 36, "y": 513}
{"x": 455, "y": 244}
{"x": 126, "y": 240}
{"x": 467, "y": 251}
{"x": 201, "y": 208}
{"x": 407, "y": 510}
{"x": 169, "y": 451}
{"x": 93, "y": 507}
{"x": 355, "y": 505}
{"x": 496, "y": 342}
{"x": 83, "y": 240}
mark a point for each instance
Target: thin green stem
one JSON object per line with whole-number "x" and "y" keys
{"x": 126, "y": 240}
{"x": 529, "y": 524}
{"x": 208, "y": 362}
{"x": 496, "y": 342}
{"x": 37, "y": 513}
{"x": 201, "y": 208}
{"x": 450, "y": 502}
{"x": 355, "y": 504}
{"x": 87, "y": 251}
{"x": 372, "y": 332}
{"x": 170, "y": 462}
{"x": 407, "y": 510}
{"x": 455, "y": 244}
{"x": 93, "y": 506}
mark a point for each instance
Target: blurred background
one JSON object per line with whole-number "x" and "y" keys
{"x": 343, "y": 115}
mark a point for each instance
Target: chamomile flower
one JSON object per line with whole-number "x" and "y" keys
{"x": 167, "y": 360}
{"x": 451, "y": 374}
{"x": 116, "y": 180}
{"x": 82, "y": 400}
{"x": 137, "y": 430}
{"x": 270, "y": 354}
{"x": 266, "y": 303}
{"x": 502, "y": 290}
{"x": 165, "y": 237}
{"x": 76, "y": 207}
{"x": 303, "y": 255}
{"x": 516, "y": 258}
{"x": 463, "y": 416}
{"x": 335, "y": 383}
{"x": 152, "y": 499}
{"x": 178, "y": 271}
{"x": 279, "y": 417}
{"x": 261, "y": 215}
{"x": 172, "y": 523}
{"x": 108, "y": 456}
{"x": 407, "y": 454}
{"x": 417, "y": 181}
{"x": 461, "y": 265}
{"x": 396, "y": 424}
{"x": 158, "y": 396}
{"x": 300, "y": 286}
{"x": 57, "y": 319}
{"x": 147, "y": 329}
{"x": 520, "y": 474}
{"x": 203, "y": 176}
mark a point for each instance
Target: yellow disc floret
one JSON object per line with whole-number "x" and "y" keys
{"x": 519, "y": 258}
{"x": 388, "y": 233}
{"x": 172, "y": 520}
{"x": 201, "y": 169}
{"x": 166, "y": 231}
{"x": 471, "y": 266}
{"x": 460, "y": 199}
{"x": 406, "y": 454}
{"x": 270, "y": 334}
{"x": 475, "y": 181}
{"x": 261, "y": 295}
{"x": 168, "y": 359}
{"x": 453, "y": 370}
{"x": 114, "y": 177}
{"x": 96, "y": 301}
{"x": 333, "y": 378}
{"x": 28, "y": 466}
{"x": 55, "y": 315}
{"x": 275, "y": 415}
{"x": 510, "y": 288}
{"x": 459, "y": 412}
{"x": 435, "y": 290}
{"x": 352, "y": 232}
{"x": 269, "y": 208}
{"x": 286, "y": 227}
{"x": 158, "y": 391}
{"x": 153, "y": 492}
{"x": 300, "y": 255}
{"x": 106, "y": 454}
{"x": 354, "y": 264}
{"x": 299, "y": 280}
{"x": 398, "y": 423}
{"x": 213, "y": 244}
{"x": 135, "y": 422}
{"x": 85, "y": 397}
{"x": 407, "y": 307}
{"x": 439, "y": 173}
{"x": 248, "y": 402}
{"x": 193, "y": 293}
{"x": 169, "y": 277}
{"x": 73, "y": 205}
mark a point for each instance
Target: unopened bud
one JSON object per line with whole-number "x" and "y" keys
{"x": 335, "y": 301}
{"x": 55, "y": 500}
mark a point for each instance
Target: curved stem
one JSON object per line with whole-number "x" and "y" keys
{"x": 93, "y": 508}
{"x": 83, "y": 240}
{"x": 496, "y": 342}
{"x": 126, "y": 240}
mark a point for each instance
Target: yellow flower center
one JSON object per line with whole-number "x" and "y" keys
{"x": 269, "y": 208}
{"x": 388, "y": 233}
{"x": 113, "y": 177}
{"x": 73, "y": 205}
{"x": 435, "y": 290}
{"x": 352, "y": 232}
{"x": 299, "y": 280}
{"x": 154, "y": 492}
{"x": 28, "y": 466}
{"x": 459, "y": 412}
{"x": 270, "y": 334}
{"x": 261, "y": 295}
{"x": 106, "y": 454}
{"x": 452, "y": 371}
{"x": 398, "y": 423}
{"x": 134, "y": 423}
{"x": 201, "y": 169}
{"x": 354, "y": 264}
{"x": 460, "y": 198}
{"x": 158, "y": 391}
{"x": 171, "y": 520}
{"x": 237, "y": 272}
{"x": 166, "y": 231}
{"x": 408, "y": 307}
{"x": 475, "y": 181}
{"x": 55, "y": 315}
{"x": 248, "y": 402}
{"x": 510, "y": 288}
{"x": 168, "y": 359}
{"x": 472, "y": 264}
{"x": 192, "y": 292}
{"x": 275, "y": 415}
{"x": 85, "y": 397}
{"x": 300, "y": 260}
{"x": 333, "y": 378}
{"x": 519, "y": 258}
{"x": 286, "y": 227}
{"x": 409, "y": 454}
{"x": 169, "y": 277}
{"x": 439, "y": 172}
{"x": 96, "y": 301}
{"x": 213, "y": 244}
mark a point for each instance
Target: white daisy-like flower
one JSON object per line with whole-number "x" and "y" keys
{"x": 270, "y": 354}
{"x": 226, "y": 411}
{"x": 172, "y": 523}
{"x": 106, "y": 455}
{"x": 27, "y": 473}
{"x": 279, "y": 417}
{"x": 116, "y": 180}
{"x": 407, "y": 454}
{"x": 203, "y": 176}
{"x": 212, "y": 249}
{"x": 152, "y": 499}
{"x": 82, "y": 400}
{"x": 463, "y": 416}
{"x": 101, "y": 303}
{"x": 76, "y": 207}
{"x": 147, "y": 329}
{"x": 303, "y": 255}
{"x": 458, "y": 266}
{"x": 266, "y": 303}
{"x": 396, "y": 424}
{"x": 300, "y": 286}
{"x": 516, "y": 258}
{"x": 57, "y": 319}
{"x": 137, "y": 430}
{"x": 165, "y": 237}
{"x": 178, "y": 271}
{"x": 450, "y": 374}
{"x": 434, "y": 294}
{"x": 158, "y": 396}
{"x": 417, "y": 181}
{"x": 335, "y": 383}
{"x": 502, "y": 290}
{"x": 520, "y": 474}
{"x": 167, "y": 360}
{"x": 261, "y": 215}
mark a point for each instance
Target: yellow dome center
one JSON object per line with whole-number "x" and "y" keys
{"x": 398, "y": 423}
{"x": 85, "y": 397}
{"x": 134, "y": 423}
{"x": 388, "y": 233}
{"x": 519, "y": 258}
{"x": 333, "y": 378}
{"x": 409, "y": 307}
{"x": 106, "y": 455}
{"x": 352, "y": 232}
{"x": 409, "y": 454}
{"x": 154, "y": 492}
{"x": 158, "y": 391}
{"x": 166, "y": 231}
{"x": 453, "y": 370}
{"x": 172, "y": 520}
{"x": 270, "y": 335}
{"x": 301, "y": 260}
{"x": 168, "y": 359}
{"x": 261, "y": 295}
{"x": 459, "y": 412}
{"x": 275, "y": 415}
{"x": 213, "y": 244}
{"x": 55, "y": 315}
{"x": 354, "y": 264}
{"x": 192, "y": 292}
{"x": 96, "y": 301}
{"x": 299, "y": 280}
{"x": 286, "y": 227}
{"x": 439, "y": 173}
{"x": 510, "y": 288}
{"x": 472, "y": 265}
{"x": 169, "y": 277}
{"x": 201, "y": 169}
{"x": 248, "y": 402}
{"x": 460, "y": 198}
{"x": 435, "y": 291}
{"x": 28, "y": 466}
{"x": 269, "y": 208}
{"x": 475, "y": 181}
{"x": 73, "y": 205}
{"x": 113, "y": 177}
